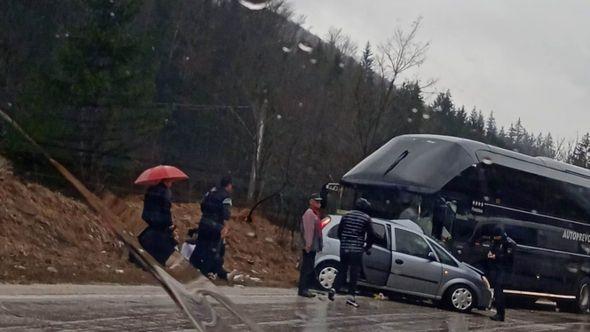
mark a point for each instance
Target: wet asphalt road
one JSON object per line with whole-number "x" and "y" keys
{"x": 148, "y": 308}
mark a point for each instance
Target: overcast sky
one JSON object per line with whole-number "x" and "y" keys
{"x": 527, "y": 59}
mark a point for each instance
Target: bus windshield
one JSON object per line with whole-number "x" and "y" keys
{"x": 393, "y": 203}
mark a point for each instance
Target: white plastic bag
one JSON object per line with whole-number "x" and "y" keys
{"x": 187, "y": 250}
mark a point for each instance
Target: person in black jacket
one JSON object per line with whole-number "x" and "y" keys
{"x": 354, "y": 230}
{"x": 158, "y": 238}
{"x": 500, "y": 259}
{"x": 209, "y": 252}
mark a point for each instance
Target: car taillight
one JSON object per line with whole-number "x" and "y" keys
{"x": 325, "y": 222}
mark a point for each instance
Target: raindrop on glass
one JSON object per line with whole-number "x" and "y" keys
{"x": 112, "y": 1}
{"x": 112, "y": 14}
{"x": 57, "y": 35}
{"x": 313, "y": 61}
{"x": 127, "y": 72}
{"x": 286, "y": 49}
{"x": 410, "y": 120}
{"x": 67, "y": 34}
{"x": 186, "y": 58}
{"x": 153, "y": 48}
{"x": 300, "y": 104}
{"x": 9, "y": 104}
{"x": 279, "y": 116}
{"x": 304, "y": 47}
{"x": 341, "y": 65}
{"x": 487, "y": 161}
{"x": 414, "y": 110}
{"x": 253, "y": 5}
{"x": 426, "y": 116}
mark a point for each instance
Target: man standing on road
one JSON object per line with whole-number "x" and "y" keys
{"x": 311, "y": 234}
{"x": 354, "y": 230}
{"x": 210, "y": 245}
{"x": 500, "y": 262}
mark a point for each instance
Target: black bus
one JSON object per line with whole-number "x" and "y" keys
{"x": 458, "y": 190}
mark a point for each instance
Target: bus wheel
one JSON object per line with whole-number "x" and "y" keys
{"x": 583, "y": 296}
{"x": 582, "y": 302}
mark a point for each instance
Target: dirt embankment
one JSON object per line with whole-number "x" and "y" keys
{"x": 49, "y": 238}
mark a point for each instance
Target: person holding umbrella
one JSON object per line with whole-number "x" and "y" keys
{"x": 158, "y": 238}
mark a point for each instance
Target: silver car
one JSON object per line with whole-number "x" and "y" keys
{"x": 404, "y": 260}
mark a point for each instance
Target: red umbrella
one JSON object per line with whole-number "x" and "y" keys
{"x": 159, "y": 173}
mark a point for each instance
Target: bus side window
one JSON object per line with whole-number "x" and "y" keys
{"x": 567, "y": 201}
{"x": 522, "y": 235}
{"x": 513, "y": 188}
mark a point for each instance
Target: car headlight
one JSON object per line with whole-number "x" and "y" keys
{"x": 486, "y": 282}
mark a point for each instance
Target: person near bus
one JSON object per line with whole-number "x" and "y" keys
{"x": 356, "y": 237}
{"x": 500, "y": 258}
{"x": 208, "y": 255}
{"x": 311, "y": 234}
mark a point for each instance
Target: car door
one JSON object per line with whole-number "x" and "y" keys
{"x": 413, "y": 271}
{"x": 377, "y": 265}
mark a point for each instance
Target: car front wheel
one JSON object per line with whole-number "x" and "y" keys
{"x": 460, "y": 298}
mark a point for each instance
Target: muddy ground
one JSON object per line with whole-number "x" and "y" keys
{"x": 46, "y": 237}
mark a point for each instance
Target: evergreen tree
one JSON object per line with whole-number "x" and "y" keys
{"x": 491, "y": 129}
{"x": 548, "y": 148}
{"x": 443, "y": 103}
{"x": 97, "y": 90}
{"x": 580, "y": 155}
{"x": 366, "y": 63}
{"x": 461, "y": 116}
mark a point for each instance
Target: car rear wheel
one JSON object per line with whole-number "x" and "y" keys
{"x": 326, "y": 274}
{"x": 460, "y": 298}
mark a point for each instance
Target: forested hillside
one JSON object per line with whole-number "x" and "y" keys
{"x": 113, "y": 87}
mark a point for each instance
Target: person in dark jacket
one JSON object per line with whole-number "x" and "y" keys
{"x": 209, "y": 252}
{"x": 158, "y": 238}
{"x": 356, "y": 236}
{"x": 500, "y": 259}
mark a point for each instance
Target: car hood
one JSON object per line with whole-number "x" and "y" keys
{"x": 471, "y": 268}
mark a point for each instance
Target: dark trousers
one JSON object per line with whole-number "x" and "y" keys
{"x": 498, "y": 281}
{"x": 158, "y": 243}
{"x": 350, "y": 263}
{"x": 218, "y": 265}
{"x": 209, "y": 252}
{"x": 306, "y": 271}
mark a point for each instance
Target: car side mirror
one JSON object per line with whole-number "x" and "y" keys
{"x": 431, "y": 256}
